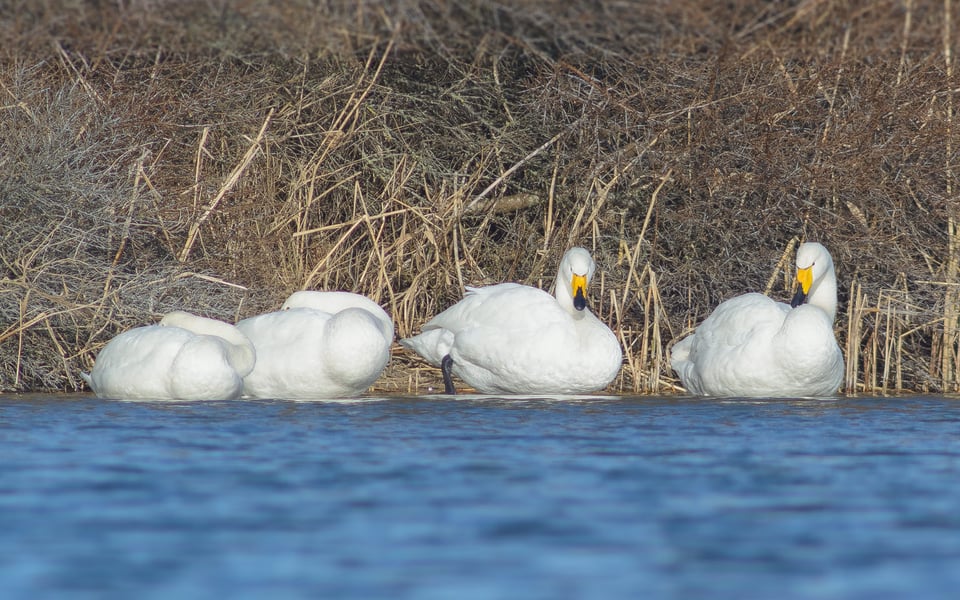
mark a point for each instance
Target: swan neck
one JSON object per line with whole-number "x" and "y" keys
{"x": 242, "y": 356}
{"x": 240, "y": 350}
{"x": 823, "y": 295}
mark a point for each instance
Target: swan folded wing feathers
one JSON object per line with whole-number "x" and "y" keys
{"x": 495, "y": 333}
{"x": 754, "y": 346}
{"x": 726, "y": 348}
{"x": 526, "y": 364}
{"x": 276, "y": 336}
{"x": 505, "y": 306}
{"x": 204, "y": 369}
{"x": 512, "y": 359}
{"x": 142, "y": 352}
{"x": 338, "y": 301}
{"x": 355, "y": 353}
{"x": 739, "y": 320}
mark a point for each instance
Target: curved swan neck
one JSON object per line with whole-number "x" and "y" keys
{"x": 240, "y": 350}
{"x": 823, "y": 294}
{"x": 823, "y": 288}
{"x": 563, "y": 295}
{"x": 243, "y": 356}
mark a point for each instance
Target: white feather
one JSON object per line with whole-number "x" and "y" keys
{"x": 753, "y": 346}
{"x": 319, "y": 345}
{"x": 185, "y": 357}
{"x": 516, "y": 339}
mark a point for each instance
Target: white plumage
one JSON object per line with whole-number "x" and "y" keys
{"x": 185, "y": 357}
{"x": 318, "y": 345}
{"x": 516, "y": 339}
{"x": 752, "y": 346}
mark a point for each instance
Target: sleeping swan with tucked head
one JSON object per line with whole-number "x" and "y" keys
{"x": 184, "y": 357}
{"x": 318, "y": 345}
{"x": 516, "y": 339}
{"x": 752, "y": 346}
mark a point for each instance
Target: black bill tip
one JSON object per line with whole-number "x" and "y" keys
{"x": 579, "y": 301}
{"x": 798, "y": 298}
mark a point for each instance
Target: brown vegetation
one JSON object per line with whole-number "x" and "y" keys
{"x": 216, "y": 156}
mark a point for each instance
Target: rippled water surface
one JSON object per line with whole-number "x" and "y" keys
{"x": 469, "y": 498}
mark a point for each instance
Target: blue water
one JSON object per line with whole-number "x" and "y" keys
{"x": 480, "y": 498}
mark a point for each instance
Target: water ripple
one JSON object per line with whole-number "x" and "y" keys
{"x": 481, "y": 497}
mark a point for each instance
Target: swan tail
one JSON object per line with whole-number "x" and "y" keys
{"x": 86, "y": 377}
{"x": 432, "y": 345}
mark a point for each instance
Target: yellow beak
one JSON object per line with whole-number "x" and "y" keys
{"x": 805, "y": 279}
{"x": 579, "y": 291}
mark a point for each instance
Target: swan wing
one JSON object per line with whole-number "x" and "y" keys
{"x": 510, "y": 338}
{"x": 136, "y": 363}
{"x": 202, "y": 370}
{"x": 731, "y": 349}
{"x": 496, "y": 314}
{"x": 753, "y": 346}
{"x": 337, "y": 301}
{"x": 288, "y": 357}
{"x": 309, "y": 353}
{"x": 505, "y": 306}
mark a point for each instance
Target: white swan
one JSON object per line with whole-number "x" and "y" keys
{"x": 753, "y": 346}
{"x": 516, "y": 339}
{"x": 185, "y": 357}
{"x": 318, "y": 345}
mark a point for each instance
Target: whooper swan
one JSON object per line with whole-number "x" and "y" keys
{"x": 752, "y": 346}
{"x": 184, "y": 357}
{"x": 318, "y": 345}
{"x": 516, "y": 339}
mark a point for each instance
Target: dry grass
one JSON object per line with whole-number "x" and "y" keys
{"x": 217, "y": 156}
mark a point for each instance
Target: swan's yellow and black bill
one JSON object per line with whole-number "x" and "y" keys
{"x": 579, "y": 289}
{"x": 804, "y": 281}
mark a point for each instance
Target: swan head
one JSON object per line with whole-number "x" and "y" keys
{"x": 573, "y": 277}
{"x": 816, "y": 279}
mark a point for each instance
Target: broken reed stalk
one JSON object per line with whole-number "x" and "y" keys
{"x": 472, "y": 205}
{"x": 905, "y": 40}
{"x": 871, "y": 364}
{"x": 890, "y": 329}
{"x": 548, "y": 217}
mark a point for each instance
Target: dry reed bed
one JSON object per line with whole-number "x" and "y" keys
{"x": 166, "y": 154}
